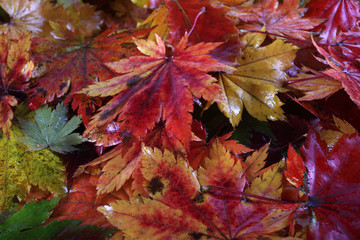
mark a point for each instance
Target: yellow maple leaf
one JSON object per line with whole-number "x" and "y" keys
{"x": 257, "y": 80}
{"x": 19, "y": 170}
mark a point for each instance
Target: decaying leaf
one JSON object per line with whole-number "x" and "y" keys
{"x": 257, "y": 80}
{"x": 19, "y": 170}
{"x": 51, "y": 129}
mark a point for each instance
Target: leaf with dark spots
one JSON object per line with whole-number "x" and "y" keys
{"x": 119, "y": 164}
{"x": 70, "y": 65}
{"x": 155, "y": 185}
{"x": 181, "y": 210}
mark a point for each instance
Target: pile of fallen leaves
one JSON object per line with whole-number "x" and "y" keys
{"x": 179, "y": 119}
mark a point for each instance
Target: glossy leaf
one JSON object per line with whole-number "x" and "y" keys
{"x": 257, "y": 80}
{"x": 51, "y": 129}
{"x": 333, "y": 186}
{"x": 26, "y": 224}
{"x": 315, "y": 86}
{"x": 182, "y": 14}
{"x": 344, "y": 71}
{"x": 160, "y": 85}
{"x": 338, "y": 14}
{"x": 295, "y": 168}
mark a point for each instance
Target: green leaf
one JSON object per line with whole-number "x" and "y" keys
{"x": 31, "y": 215}
{"x": 25, "y": 224}
{"x": 51, "y": 129}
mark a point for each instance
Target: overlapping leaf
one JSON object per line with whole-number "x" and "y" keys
{"x": 338, "y": 14}
{"x": 179, "y": 209}
{"x": 26, "y": 224}
{"x": 343, "y": 70}
{"x": 332, "y": 184}
{"x": 158, "y": 86}
{"x": 19, "y": 170}
{"x": 52, "y": 129}
{"x": 15, "y": 70}
{"x": 82, "y": 201}
{"x": 72, "y": 61}
{"x": 285, "y": 19}
{"x": 317, "y": 86}
{"x": 21, "y": 17}
{"x": 257, "y": 80}
{"x": 120, "y": 163}
{"x": 182, "y": 14}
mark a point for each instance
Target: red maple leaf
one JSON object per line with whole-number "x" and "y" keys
{"x": 332, "y": 185}
{"x": 75, "y": 62}
{"x": 284, "y": 19}
{"x": 182, "y": 15}
{"x": 82, "y": 201}
{"x": 15, "y": 71}
{"x": 159, "y": 86}
{"x": 338, "y": 14}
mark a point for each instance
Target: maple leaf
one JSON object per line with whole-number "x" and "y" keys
{"x": 76, "y": 62}
{"x": 119, "y": 164}
{"x": 51, "y": 129}
{"x": 72, "y": 18}
{"x": 160, "y": 85}
{"x": 19, "y": 170}
{"x": 157, "y": 21}
{"x": 26, "y": 223}
{"x": 179, "y": 209}
{"x": 339, "y": 14}
{"x": 343, "y": 70}
{"x": 21, "y": 16}
{"x": 295, "y": 168}
{"x": 182, "y": 15}
{"x": 82, "y": 201}
{"x": 285, "y": 19}
{"x": 15, "y": 71}
{"x": 258, "y": 77}
{"x": 315, "y": 86}
{"x": 200, "y": 147}
{"x": 349, "y": 43}
{"x": 332, "y": 185}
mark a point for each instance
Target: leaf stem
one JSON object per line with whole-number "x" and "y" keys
{"x": 6, "y": 171}
{"x": 247, "y": 194}
{"x": 188, "y": 20}
{"x": 305, "y": 79}
{"x": 289, "y": 38}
